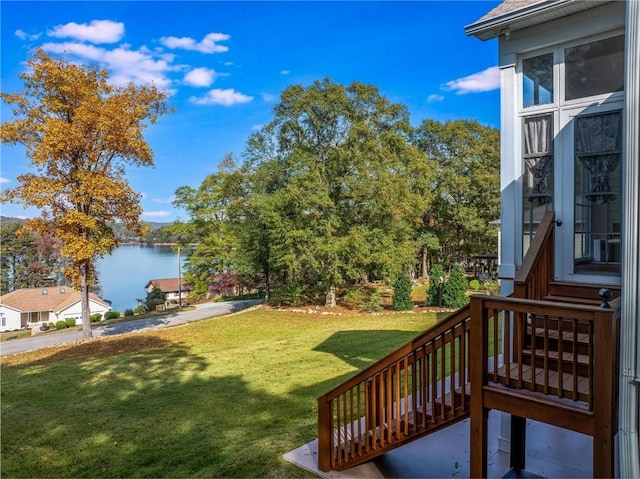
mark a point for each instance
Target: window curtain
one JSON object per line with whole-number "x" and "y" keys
{"x": 598, "y": 148}
{"x": 538, "y": 156}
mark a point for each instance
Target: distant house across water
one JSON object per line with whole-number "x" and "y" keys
{"x": 174, "y": 289}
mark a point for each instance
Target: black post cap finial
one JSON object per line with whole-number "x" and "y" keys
{"x": 606, "y": 295}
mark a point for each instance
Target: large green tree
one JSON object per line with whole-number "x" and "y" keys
{"x": 209, "y": 226}
{"x": 337, "y": 185}
{"x": 80, "y": 133}
{"x": 467, "y": 188}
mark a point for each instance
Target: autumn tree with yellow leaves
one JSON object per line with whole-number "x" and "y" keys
{"x": 80, "y": 133}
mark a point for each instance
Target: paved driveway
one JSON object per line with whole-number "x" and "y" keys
{"x": 202, "y": 311}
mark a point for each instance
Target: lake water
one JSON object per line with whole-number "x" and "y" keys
{"x": 125, "y": 272}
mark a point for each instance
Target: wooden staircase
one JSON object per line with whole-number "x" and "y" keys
{"x": 548, "y": 353}
{"x": 419, "y": 388}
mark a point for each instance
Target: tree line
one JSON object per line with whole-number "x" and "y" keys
{"x": 339, "y": 189}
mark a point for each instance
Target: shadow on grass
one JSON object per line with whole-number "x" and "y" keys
{"x": 143, "y": 407}
{"x": 359, "y": 349}
{"x": 362, "y": 348}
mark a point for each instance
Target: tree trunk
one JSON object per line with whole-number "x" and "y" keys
{"x": 331, "y": 297}
{"x": 424, "y": 262}
{"x": 84, "y": 299}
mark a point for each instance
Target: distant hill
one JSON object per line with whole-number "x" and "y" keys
{"x": 5, "y": 220}
{"x": 119, "y": 231}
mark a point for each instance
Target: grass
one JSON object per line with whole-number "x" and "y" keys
{"x": 218, "y": 398}
{"x": 9, "y": 335}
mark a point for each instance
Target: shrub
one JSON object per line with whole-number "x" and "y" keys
{"x": 128, "y": 312}
{"x": 155, "y": 298}
{"x": 374, "y": 302}
{"x": 455, "y": 288}
{"x": 71, "y": 322}
{"x": 402, "y": 293}
{"x": 96, "y": 317}
{"x": 354, "y": 298}
{"x": 292, "y": 294}
{"x": 492, "y": 286}
{"x": 112, "y": 315}
{"x": 434, "y": 292}
{"x": 140, "y": 309}
{"x": 474, "y": 284}
{"x": 61, "y": 324}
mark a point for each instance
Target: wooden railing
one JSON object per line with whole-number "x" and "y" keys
{"x": 414, "y": 390}
{"x": 562, "y": 371}
{"x": 565, "y": 344}
{"x": 536, "y": 272}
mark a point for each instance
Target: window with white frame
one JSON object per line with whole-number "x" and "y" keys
{"x": 574, "y": 75}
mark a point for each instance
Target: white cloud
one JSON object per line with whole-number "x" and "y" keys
{"x": 168, "y": 200}
{"x": 228, "y": 64}
{"x": 435, "y": 98}
{"x": 269, "y": 97}
{"x": 285, "y": 72}
{"x": 5, "y": 180}
{"x": 98, "y": 31}
{"x": 200, "y": 77}
{"x": 207, "y": 45}
{"x": 125, "y": 65}
{"x": 485, "y": 80}
{"x": 22, "y": 35}
{"x": 226, "y": 97}
{"x": 156, "y": 214}
{"x": 256, "y": 127}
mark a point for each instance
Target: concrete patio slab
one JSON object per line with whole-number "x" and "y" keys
{"x": 551, "y": 452}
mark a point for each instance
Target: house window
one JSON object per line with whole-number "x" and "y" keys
{"x": 594, "y": 68}
{"x": 598, "y": 198}
{"x": 3, "y": 320}
{"x": 538, "y": 173}
{"x": 537, "y": 80}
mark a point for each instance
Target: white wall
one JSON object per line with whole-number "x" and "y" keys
{"x": 12, "y": 318}
{"x": 75, "y": 310}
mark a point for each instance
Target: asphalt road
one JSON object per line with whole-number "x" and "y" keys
{"x": 202, "y": 311}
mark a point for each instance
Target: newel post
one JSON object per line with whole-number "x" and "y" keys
{"x": 604, "y": 393}
{"x": 325, "y": 421}
{"x": 479, "y": 352}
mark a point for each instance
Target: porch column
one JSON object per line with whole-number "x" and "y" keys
{"x": 511, "y": 213}
{"x": 630, "y": 332}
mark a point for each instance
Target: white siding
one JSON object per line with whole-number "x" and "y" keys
{"x": 11, "y": 319}
{"x": 75, "y": 310}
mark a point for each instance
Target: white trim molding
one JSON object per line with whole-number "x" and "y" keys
{"x": 629, "y": 328}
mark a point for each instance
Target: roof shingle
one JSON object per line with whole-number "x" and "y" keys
{"x": 55, "y": 298}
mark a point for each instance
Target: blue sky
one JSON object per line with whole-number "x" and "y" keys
{"x": 226, "y": 63}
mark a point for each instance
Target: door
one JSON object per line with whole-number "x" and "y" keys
{"x": 589, "y": 194}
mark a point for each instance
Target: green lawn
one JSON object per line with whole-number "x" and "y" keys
{"x": 217, "y": 398}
